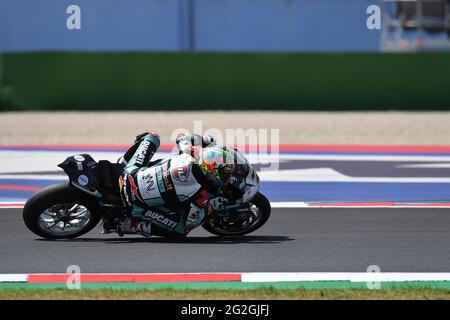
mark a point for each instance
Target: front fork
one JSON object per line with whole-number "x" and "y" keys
{"x": 234, "y": 211}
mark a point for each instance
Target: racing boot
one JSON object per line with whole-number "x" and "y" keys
{"x": 134, "y": 226}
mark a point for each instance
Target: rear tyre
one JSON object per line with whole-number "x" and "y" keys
{"x": 61, "y": 212}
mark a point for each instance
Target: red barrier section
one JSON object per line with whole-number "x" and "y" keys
{"x": 152, "y": 277}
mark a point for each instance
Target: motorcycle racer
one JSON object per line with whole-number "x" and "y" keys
{"x": 201, "y": 178}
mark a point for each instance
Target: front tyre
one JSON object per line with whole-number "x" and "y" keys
{"x": 61, "y": 212}
{"x": 242, "y": 223}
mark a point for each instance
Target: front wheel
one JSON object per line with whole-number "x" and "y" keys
{"x": 61, "y": 212}
{"x": 243, "y": 221}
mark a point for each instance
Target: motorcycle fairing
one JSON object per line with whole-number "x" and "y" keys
{"x": 80, "y": 170}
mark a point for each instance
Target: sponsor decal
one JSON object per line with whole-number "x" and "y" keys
{"x": 83, "y": 180}
{"x": 79, "y": 158}
{"x": 193, "y": 216}
{"x": 159, "y": 180}
{"x": 142, "y": 152}
{"x": 167, "y": 181}
{"x": 181, "y": 172}
{"x": 133, "y": 188}
{"x": 166, "y": 186}
{"x": 120, "y": 183}
{"x": 123, "y": 189}
{"x": 161, "y": 219}
{"x": 148, "y": 181}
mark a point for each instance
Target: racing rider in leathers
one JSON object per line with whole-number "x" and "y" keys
{"x": 203, "y": 175}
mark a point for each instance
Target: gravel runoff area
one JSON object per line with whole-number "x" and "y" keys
{"x": 371, "y": 128}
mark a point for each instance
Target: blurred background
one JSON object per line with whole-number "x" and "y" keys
{"x": 224, "y": 54}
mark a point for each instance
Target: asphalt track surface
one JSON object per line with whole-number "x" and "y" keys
{"x": 294, "y": 240}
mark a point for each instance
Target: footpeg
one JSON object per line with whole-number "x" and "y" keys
{"x": 119, "y": 231}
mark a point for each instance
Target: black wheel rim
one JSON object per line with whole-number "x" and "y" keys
{"x": 64, "y": 219}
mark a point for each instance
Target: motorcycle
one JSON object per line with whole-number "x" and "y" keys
{"x": 69, "y": 210}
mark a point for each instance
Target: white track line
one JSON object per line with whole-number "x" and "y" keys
{"x": 50, "y": 177}
{"x": 291, "y": 204}
{"x": 13, "y": 277}
{"x": 343, "y": 276}
{"x": 377, "y": 207}
{"x": 331, "y": 175}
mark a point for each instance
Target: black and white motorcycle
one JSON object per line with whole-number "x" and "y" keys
{"x": 69, "y": 210}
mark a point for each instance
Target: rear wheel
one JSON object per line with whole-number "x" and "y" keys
{"x": 61, "y": 212}
{"x": 243, "y": 221}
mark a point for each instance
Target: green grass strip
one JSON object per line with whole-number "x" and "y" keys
{"x": 231, "y": 285}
